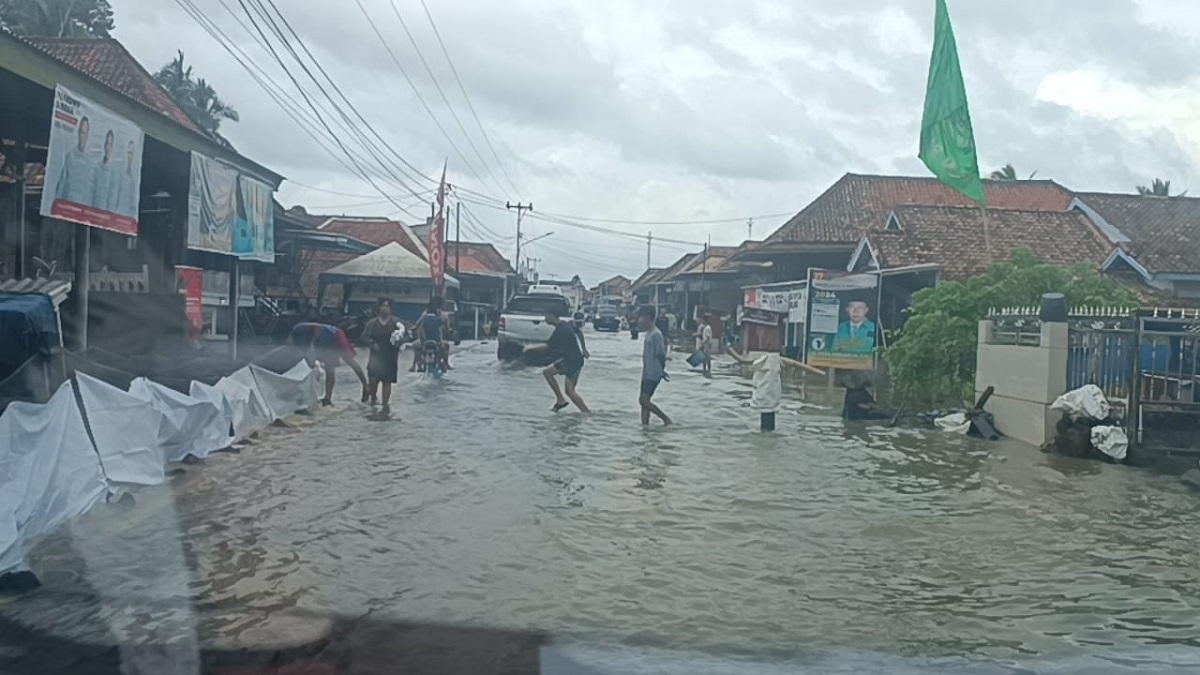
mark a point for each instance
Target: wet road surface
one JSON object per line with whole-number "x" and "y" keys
{"x": 823, "y": 543}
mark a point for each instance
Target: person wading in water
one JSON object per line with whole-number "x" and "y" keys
{"x": 565, "y": 345}
{"x": 384, "y": 362}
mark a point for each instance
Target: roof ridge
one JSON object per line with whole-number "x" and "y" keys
{"x": 994, "y": 181}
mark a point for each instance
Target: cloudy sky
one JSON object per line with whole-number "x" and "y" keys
{"x": 640, "y": 111}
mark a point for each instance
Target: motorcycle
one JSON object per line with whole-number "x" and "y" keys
{"x": 430, "y": 361}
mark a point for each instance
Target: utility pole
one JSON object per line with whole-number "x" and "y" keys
{"x": 649, "y": 238}
{"x": 457, "y": 236}
{"x": 750, "y": 229}
{"x": 521, "y": 209}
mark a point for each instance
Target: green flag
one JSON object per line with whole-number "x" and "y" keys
{"x": 947, "y": 142}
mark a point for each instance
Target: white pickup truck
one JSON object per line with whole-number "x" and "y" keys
{"x": 523, "y": 323}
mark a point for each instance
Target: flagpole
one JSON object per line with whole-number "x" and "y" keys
{"x": 987, "y": 231}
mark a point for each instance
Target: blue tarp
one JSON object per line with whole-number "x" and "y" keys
{"x": 27, "y": 328}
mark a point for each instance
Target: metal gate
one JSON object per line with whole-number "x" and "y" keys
{"x": 1165, "y": 410}
{"x": 1101, "y": 353}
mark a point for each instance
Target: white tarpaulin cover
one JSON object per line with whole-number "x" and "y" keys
{"x": 1086, "y": 402}
{"x": 768, "y": 387}
{"x": 297, "y": 389}
{"x": 205, "y": 392}
{"x": 1112, "y": 441}
{"x": 49, "y": 471}
{"x": 250, "y": 412}
{"x": 187, "y": 426}
{"x": 125, "y": 428}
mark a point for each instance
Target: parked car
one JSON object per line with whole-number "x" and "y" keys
{"x": 523, "y": 323}
{"x": 607, "y": 319}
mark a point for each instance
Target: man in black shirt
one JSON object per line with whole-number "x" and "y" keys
{"x": 565, "y": 345}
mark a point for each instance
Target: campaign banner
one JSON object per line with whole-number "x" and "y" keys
{"x": 93, "y": 166}
{"x": 436, "y": 243}
{"x": 212, "y": 205}
{"x": 254, "y": 233}
{"x": 797, "y": 306}
{"x": 190, "y": 282}
{"x": 841, "y": 331}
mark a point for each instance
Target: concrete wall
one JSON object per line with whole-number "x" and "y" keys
{"x": 1027, "y": 380}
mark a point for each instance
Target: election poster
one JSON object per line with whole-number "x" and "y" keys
{"x": 93, "y": 166}
{"x": 254, "y": 233}
{"x": 212, "y": 205}
{"x": 842, "y": 328}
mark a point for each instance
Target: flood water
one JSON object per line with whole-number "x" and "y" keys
{"x": 843, "y": 547}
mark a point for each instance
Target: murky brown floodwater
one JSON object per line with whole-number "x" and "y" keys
{"x": 826, "y": 542}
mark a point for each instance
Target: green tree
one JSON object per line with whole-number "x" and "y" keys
{"x": 57, "y": 18}
{"x": 195, "y": 95}
{"x": 932, "y": 357}
{"x": 1158, "y": 188}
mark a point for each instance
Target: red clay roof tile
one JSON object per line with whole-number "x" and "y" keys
{"x": 107, "y": 61}
{"x": 856, "y": 204}
{"x": 953, "y": 237}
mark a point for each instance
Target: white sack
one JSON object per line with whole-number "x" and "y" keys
{"x": 49, "y": 471}
{"x": 187, "y": 426}
{"x": 1086, "y": 402}
{"x": 1112, "y": 441}
{"x": 297, "y": 389}
{"x": 125, "y": 428}
{"x": 768, "y": 385}
{"x": 956, "y": 423}
{"x": 250, "y": 412}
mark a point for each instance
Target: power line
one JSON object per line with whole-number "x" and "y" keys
{"x": 717, "y": 221}
{"x": 417, "y": 92}
{"x": 420, "y": 55}
{"x": 308, "y": 100}
{"x": 293, "y": 109}
{"x": 466, "y": 96}
{"x": 354, "y": 128}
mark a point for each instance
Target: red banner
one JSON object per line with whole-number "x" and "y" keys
{"x": 87, "y": 215}
{"x": 437, "y": 236}
{"x": 190, "y": 281}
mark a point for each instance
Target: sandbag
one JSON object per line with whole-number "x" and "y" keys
{"x": 1112, "y": 441}
{"x": 250, "y": 411}
{"x": 955, "y": 423}
{"x": 49, "y": 472}
{"x": 1085, "y": 403}
{"x": 125, "y": 428}
{"x": 187, "y": 426}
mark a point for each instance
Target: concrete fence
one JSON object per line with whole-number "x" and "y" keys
{"x": 1028, "y": 377}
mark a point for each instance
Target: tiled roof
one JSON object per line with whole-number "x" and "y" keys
{"x": 618, "y": 282}
{"x": 856, "y": 204}
{"x": 1164, "y": 232}
{"x": 377, "y": 231}
{"x": 647, "y": 278}
{"x": 106, "y": 60}
{"x": 678, "y": 266}
{"x": 953, "y": 237}
{"x": 476, "y": 257}
{"x": 714, "y": 262}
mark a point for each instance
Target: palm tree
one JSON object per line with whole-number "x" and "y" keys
{"x": 57, "y": 18}
{"x": 195, "y": 95}
{"x": 1158, "y": 188}
{"x": 1007, "y": 172}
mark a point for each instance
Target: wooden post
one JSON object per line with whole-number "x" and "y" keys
{"x": 83, "y": 254}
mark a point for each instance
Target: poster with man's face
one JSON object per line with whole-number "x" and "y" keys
{"x": 842, "y": 328}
